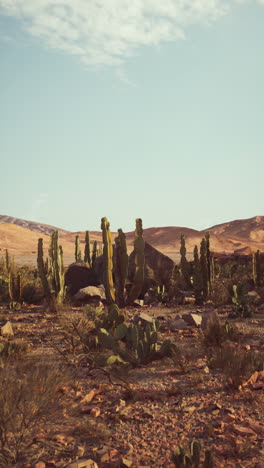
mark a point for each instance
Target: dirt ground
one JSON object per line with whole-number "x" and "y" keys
{"x": 136, "y": 417}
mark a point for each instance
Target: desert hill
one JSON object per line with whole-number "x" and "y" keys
{"x": 20, "y": 237}
{"x": 45, "y": 229}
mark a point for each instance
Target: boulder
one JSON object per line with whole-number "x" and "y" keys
{"x": 78, "y": 276}
{"x": 194, "y": 320}
{"x": 179, "y": 324}
{"x": 158, "y": 269}
{"x": 7, "y": 330}
{"x": 90, "y": 293}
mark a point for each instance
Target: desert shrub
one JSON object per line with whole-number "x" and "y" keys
{"x": 237, "y": 365}
{"x": 12, "y": 350}
{"x": 4, "y": 295}
{"x": 30, "y": 295}
{"x": 219, "y": 293}
{"x": 240, "y": 299}
{"x": 28, "y": 397}
{"x": 217, "y": 333}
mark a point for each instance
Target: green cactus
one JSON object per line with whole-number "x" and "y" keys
{"x": 78, "y": 253}
{"x": 191, "y": 459}
{"x": 41, "y": 270}
{"x": 15, "y": 289}
{"x": 121, "y": 267}
{"x": 197, "y": 278}
{"x": 108, "y": 261}
{"x": 204, "y": 268}
{"x": 184, "y": 264}
{"x": 87, "y": 254}
{"x": 139, "y": 246}
{"x": 256, "y": 268}
{"x": 53, "y": 281}
{"x": 94, "y": 254}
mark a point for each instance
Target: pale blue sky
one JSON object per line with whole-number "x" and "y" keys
{"x": 132, "y": 111}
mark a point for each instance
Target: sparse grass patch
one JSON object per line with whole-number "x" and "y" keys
{"x": 217, "y": 333}
{"x": 28, "y": 397}
{"x": 237, "y": 365}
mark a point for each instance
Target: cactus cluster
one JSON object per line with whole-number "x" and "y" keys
{"x": 181, "y": 459}
{"x": 139, "y": 341}
{"x": 52, "y": 272}
{"x": 15, "y": 289}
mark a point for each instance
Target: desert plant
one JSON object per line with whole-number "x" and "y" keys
{"x": 121, "y": 267}
{"x": 15, "y": 289}
{"x": 108, "y": 261}
{"x": 197, "y": 277}
{"x": 12, "y": 350}
{"x": 53, "y": 282}
{"x": 240, "y": 301}
{"x": 27, "y": 395}
{"x": 237, "y": 365}
{"x": 219, "y": 293}
{"x": 191, "y": 458}
{"x": 78, "y": 253}
{"x": 87, "y": 253}
{"x": 204, "y": 267}
{"x": 184, "y": 264}
{"x": 217, "y": 333}
{"x": 139, "y": 246}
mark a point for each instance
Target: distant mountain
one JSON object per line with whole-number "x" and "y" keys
{"x": 244, "y": 236}
{"x": 31, "y": 225}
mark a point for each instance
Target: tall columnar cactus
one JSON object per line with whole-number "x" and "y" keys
{"x": 108, "y": 261}
{"x": 139, "y": 246}
{"x": 87, "y": 254}
{"x": 94, "y": 254}
{"x": 197, "y": 278}
{"x": 184, "y": 264}
{"x": 256, "y": 268}
{"x": 15, "y": 287}
{"x": 208, "y": 258}
{"x": 204, "y": 267}
{"x": 53, "y": 282}
{"x": 42, "y": 270}
{"x": 78, "y": 253}
{"x": 121, "y": 266}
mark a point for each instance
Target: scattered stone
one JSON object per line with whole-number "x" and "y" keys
{"x": 88, "y": 398}
{"x": 39, "y": 464}
{"x": 139, "y": 302}
{"x": 194, "y": 320}
{"x": 177, "y": 325}
{"x": 95, "y": 412}
{"x": 143, "y": 317}
{"x": 6, "y": 330}
{"x": 90, "y": 293}
{"x": 82, "y": 463}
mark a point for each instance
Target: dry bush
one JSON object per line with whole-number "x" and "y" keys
{"x": 11, "y": 350}
{"x": 28, "y": 397}
{"x": 219, "y": 293}
{"x": 217, "y": 333}
{"x": 237, "y": 365}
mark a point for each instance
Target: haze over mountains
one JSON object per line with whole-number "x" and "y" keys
{"x": 20, "y": 237}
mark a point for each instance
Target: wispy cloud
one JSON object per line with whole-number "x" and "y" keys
{"x": 107, "y": 32}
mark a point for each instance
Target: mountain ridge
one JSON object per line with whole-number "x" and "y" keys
{"x": 242, "y": 235}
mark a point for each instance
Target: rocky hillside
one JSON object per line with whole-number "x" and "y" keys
{"x": 31, "y": 225}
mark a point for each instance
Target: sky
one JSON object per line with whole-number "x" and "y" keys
{"x": 131, "y": 108}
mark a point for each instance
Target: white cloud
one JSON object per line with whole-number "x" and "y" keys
{"x": 106, "y": 32}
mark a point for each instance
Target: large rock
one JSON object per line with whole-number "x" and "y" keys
{"x": 90, "y": 293}
{"x": 158, "y": 269}
{"x": 78, "y": 276}
{"x": 194, "y": 320}
{"x": 179, "y": 324}
{"x": 6, "y": 330}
